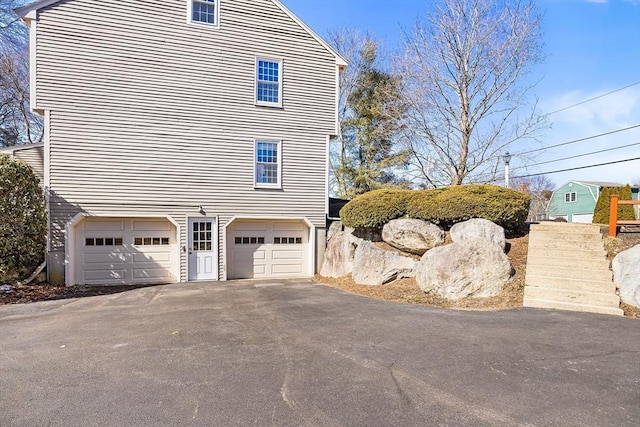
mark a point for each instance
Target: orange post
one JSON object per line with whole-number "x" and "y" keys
{"x": 613, "y": 215}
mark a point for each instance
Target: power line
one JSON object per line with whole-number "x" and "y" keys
{"x": 593, "y": 99}
{"x": 578, "y": 140}
{"x": 576, "y": 168}
{"x": 585, "y": 154}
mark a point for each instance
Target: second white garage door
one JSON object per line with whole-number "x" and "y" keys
{"x": 267, "y": 249}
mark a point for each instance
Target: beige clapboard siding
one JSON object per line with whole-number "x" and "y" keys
{"x": 34, "y": 157}
{"x": 152, "y": 116}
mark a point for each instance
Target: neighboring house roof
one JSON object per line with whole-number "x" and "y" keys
{"x": 29, "y": 12}
{"x": 604, "y": 184}
{"x": 600, "y": 183}
{"x": 14, "y": 148}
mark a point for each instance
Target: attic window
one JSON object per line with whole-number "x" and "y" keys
{"x": 204, "y": 12}
{"x": 570, "y": 197}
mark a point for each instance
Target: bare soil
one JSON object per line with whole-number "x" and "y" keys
{"x": 407, "y": 291}
{"x": 404, "y": 291}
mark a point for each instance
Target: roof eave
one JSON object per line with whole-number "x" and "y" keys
{"x": 29, "y": 11}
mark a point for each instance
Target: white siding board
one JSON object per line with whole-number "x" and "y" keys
{"x": 34, "y": 157}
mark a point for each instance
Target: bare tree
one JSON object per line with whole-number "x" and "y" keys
{"x": 464, "y": 70}
{"x": 13, "y": 33}
{"x": 540, "y": 188}
{"x": 18, "y": 125}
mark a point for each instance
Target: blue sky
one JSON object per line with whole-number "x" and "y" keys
{"x": 592, "y": 48}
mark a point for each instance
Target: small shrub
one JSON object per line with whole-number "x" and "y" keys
{"x": 603, "y": 205}
{"x": 22, "y": 220}
{"x": 505, "y": 207}
{"x": 375, "y": 208}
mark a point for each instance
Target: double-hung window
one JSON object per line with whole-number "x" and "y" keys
{"x": 204, "y": 12}
{"x": 570, "y": 197}
{"x": 268, "y": 82}
{"x": 268, "y": 164}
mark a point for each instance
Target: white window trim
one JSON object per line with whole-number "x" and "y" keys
{"x": 575, "y": 199}
{"x": 280, "y": 63}
{"x": 190, "y": 20}
{"x": 257, "y": 184}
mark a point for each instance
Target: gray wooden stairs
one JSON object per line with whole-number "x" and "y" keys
{"x": 567, "y": 269}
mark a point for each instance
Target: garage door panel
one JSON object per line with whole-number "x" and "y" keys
{"x": 250, "y": 226}
{"x": 259, "y": 270}
{"x": 104, "y": 225}
{"x": 102, "y": 258}
{"x": 289, "y": 226}
{"x": 163, "y": 257}
{"x": 283, "y": 269}
{"x": 292, "y": 255}
{"x": 151, "y": 226}
{"x": 151, "y": 273}
{"x": 104, "y": 276}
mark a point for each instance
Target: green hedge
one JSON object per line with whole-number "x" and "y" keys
{"x": 23, "y": 223}
{"x": 375, "y": 208}
{"x": 603, "y": 205}
{"x": 444, "y": 206}
{"x": 503, "y": 206}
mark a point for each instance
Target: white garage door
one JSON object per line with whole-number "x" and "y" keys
{"x": 125, "y": 250}
{"x": 583, "y": 218}
{"x": 268, "y": 249}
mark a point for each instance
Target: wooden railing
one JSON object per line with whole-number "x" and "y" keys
{"x": 613, "y": 214}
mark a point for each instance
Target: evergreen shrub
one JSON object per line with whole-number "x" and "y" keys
{"x": 375, "y": 208}
{"x": 443, "y": 206}
{"x": 503, "y": 206}
{"x": 603, "y": 205}
{"x": 23, "y": 222}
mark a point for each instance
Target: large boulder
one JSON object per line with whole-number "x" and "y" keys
{"x": 478, "y": 228}
{"x": 374, "y": 266}
{"x": 334, "y": 228}
{"x": 412, "y": 235}
{"x": 338, "y": 257}
{"x": 626, "y": 275}
{"x": 470, "y": 268}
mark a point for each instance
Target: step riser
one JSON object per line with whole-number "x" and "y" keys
{"x": 533, "y": 303}
{"x": 566, "y": 245}
{"x": 569, "y": 273}
{"x": 585, "y": 264}
{"x": 575, "y": 297}
{"x": 567, "y": 254}
{"x": 573, "y": 235}
{"x": 565, "y": 228}
{"x": 570, "y": 284}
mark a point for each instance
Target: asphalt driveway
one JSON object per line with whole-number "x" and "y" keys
{"x": 298, "y": 353}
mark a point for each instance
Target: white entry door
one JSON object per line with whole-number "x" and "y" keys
{"x": 203, "y": 254}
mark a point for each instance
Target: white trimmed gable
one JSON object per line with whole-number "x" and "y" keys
{"x": 29, "y": 12}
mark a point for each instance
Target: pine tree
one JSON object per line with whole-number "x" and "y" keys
{"x": 371, "y": 158}
{"x": 603, "y": 205}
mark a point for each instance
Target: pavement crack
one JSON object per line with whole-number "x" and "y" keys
{"x": 407, "y": 399}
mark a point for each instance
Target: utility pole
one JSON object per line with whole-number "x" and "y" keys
{"x": 507, "y": 159}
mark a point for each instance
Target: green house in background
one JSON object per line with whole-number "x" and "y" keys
{"x": 576, "y": 200}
